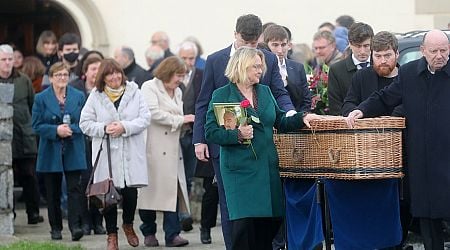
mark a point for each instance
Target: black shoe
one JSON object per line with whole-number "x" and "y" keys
{"x": 186, "y": 224}
{"x": 86, "y": 229}
{"x": 205, "y": 235}
{"x": 35, "y": 218}
{"x": 56, "y": 234}
{"x": 99, "y": 229}
{"x": 77, "y": 234}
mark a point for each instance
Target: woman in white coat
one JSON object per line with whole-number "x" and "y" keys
{"x": 117, "y": 107}
{"x": 167, "y": 189}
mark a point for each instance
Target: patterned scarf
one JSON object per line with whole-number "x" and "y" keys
{"x": 114, "y": 94}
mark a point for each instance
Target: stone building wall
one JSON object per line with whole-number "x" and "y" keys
{"x": 6, "y": 173}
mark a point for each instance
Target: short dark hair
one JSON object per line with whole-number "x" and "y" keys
{"x": 69, "y": 38}
{"x": 89, "y": 61}
{"x": 168, "y": 67}
{"x": 108, "y": 66}
{"x": 345, "y": 21}
{"x": 384, "y": 40}
{"x": 249, "y": 27}
{"x": 359, "y": 32}
{"x": 275, "y": 32}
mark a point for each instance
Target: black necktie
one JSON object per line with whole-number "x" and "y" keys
{"x": 363, "y": 65}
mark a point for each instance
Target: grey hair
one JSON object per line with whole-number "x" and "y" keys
{"x": 6, "y": 48}
{"x": 187, "y": 45}
{"x": 128, "y": 52}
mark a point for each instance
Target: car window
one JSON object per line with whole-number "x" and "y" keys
{"x": 408, "y": 55}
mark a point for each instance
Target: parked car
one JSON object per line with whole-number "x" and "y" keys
{"x": 409, "y": 45}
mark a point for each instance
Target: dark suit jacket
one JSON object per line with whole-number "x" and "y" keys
{"x": 339, "y": 80}
{"x": 298, "y": 86}
{"x": 214, "y": 78}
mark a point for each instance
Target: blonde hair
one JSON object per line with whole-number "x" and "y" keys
{"x": 241, "y": 60}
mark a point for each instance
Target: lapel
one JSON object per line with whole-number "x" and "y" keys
{"x": 175, "y": 106}
{"x": 71, "y": 101}
{"x": 235, "y": 96}
{"x": 292, "y": 76}
{"x": 222, "y": 65}
{"x": 51, "y": 102}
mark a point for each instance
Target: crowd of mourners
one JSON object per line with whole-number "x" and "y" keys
{"x": 163, "y": 129}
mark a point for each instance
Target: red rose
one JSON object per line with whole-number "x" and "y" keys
{"x": 245, "y": 103}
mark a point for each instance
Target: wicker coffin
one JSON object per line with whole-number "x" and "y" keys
{"x": 371, "y": 150}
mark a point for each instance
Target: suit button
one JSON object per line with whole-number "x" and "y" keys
{"x": 165, "y": 133}
{"x": 164, "y": 153}
{"x": 181, "y": 158}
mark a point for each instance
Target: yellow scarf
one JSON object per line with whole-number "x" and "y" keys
{"x": 114, "y": 94}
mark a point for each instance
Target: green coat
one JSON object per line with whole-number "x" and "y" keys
{"x": 252, "y": 184}
{"x": 24, "y": 140}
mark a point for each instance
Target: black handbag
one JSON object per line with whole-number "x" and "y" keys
{"x": 102, "y": 195}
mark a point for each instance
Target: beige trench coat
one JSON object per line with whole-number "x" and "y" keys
{"x": 166, "y": 177}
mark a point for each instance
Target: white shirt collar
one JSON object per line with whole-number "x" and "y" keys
{"x": 356, "y": 61}
{"x": 233, "y": 49}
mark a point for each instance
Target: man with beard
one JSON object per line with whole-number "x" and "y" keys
{"x": 370, "y": 202}
{"x": 423, "y": 90}
{"x": 340, "y": 74}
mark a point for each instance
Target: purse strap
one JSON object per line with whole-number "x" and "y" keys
{"x": 91, "y": 178}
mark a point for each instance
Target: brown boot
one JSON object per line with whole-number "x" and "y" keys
{"x": 132, "y": 238}
{"x": 112, "y": 242}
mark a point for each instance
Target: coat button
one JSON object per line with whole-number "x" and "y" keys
{"x": 164, "y": 153}
{"x": 165, "y": 133}
{"x": 181, "y": 158}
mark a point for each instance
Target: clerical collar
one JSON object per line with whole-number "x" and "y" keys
{"x": 429, "y": 69}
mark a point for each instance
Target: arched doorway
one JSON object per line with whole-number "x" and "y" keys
{"x": 22, "y": 21}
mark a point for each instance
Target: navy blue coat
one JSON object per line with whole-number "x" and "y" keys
{"x": 46, "y": 116}
{"x": 214, "y": 78}
{"x": 426, "y": 103}
{"x": 298, "y": 86}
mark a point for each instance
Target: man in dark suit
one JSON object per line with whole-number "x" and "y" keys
{"x": 340, "y": 74}
{"x": 190, "y": 87}
{"x": 248, "y": 29}
{"x": 125, "y": 57}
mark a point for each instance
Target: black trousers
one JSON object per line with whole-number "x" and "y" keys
{"x": 90, "y": 216}
{"x": 25, "y": 168}
{"x": 210, "y": 201}
{"x": 74, "y": 196}
{"x": 432, "y": 233}
{"x": 254, "y": 233}
{"x": 129, "y": 203}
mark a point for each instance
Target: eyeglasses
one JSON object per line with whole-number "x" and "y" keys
{"x": 61, "y": 75}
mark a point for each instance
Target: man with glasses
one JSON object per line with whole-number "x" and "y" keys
{"x": 340, "y": 74}
{"x": 324, "y": 47}
{"x": 248, "y": 30}
{"x": 24, "y": 147}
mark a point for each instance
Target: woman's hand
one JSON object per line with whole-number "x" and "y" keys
{"x": 246, "y": 131}
{"x": 309, "y": 117}
{"x": 115, "y": 129}
{"x": 64, "y": 131}
{"x": 189, "y": 118}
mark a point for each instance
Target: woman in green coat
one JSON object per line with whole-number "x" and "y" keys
{"x": 250, "y": 171}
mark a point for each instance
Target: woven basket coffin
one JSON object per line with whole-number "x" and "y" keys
{"x": 371, "y": 150}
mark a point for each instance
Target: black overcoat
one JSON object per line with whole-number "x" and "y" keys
{"x": 426, "y": 102}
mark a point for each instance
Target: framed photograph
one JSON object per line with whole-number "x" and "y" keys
{"x": 228, "y": 115}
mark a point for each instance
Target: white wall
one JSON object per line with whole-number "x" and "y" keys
{"x": 132, "y": 22}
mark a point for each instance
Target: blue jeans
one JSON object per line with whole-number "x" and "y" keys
{"x": 171, "y": 224}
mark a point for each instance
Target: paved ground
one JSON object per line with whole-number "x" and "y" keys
{"x": 40, "y": 232}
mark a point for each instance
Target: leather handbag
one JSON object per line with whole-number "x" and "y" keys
{"x": 102, "y": 195}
